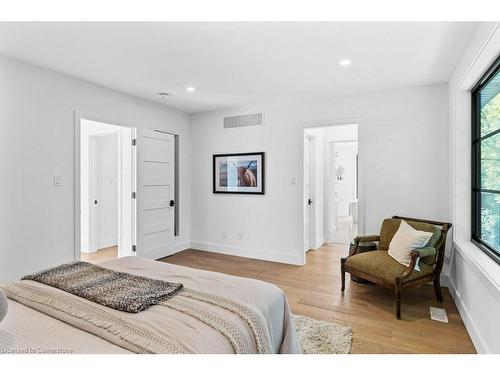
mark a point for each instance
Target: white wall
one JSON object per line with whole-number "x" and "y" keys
{"x": 403, "y": 143}
{"x": 37, "y": 143}
{"x": 474, "y": 278}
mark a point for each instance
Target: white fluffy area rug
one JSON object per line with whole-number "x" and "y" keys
{"x": 320, "y": 337}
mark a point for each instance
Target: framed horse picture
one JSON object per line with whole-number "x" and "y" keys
{"x": 238, "y": 173}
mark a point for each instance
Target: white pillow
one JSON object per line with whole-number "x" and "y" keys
{"x": 405, "y": 240}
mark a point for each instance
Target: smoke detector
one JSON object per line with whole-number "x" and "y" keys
{"x": 163, "y": 95}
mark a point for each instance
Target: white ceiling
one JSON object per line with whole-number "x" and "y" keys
{"x": 233, "y": 64}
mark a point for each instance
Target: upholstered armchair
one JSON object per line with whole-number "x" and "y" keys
{"x": 380, "y": 268}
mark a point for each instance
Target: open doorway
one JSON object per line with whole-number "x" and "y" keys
{"x": 105, "y": 191}
{"x": 331, "y": 185}
{"x": 126, "y": 191}
{"x": 342, "y": 190}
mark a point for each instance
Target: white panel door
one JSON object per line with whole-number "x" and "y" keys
{"x": 127, "y": 186}
{"x": 155, "y": 193}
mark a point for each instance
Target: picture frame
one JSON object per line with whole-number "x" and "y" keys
{"x": 239, "y": 173}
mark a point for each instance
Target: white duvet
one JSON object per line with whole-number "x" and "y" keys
{"x": 26, "y": 330}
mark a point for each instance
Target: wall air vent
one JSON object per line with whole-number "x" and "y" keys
{"x": 241, "y": 121}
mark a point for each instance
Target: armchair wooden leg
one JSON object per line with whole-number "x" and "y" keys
{"x": 437, "y": 289}
{"x": 399, "y": 290}
{"x": 342, "y": 273}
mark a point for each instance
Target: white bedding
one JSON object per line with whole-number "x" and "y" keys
{"x": 27, "y": 330}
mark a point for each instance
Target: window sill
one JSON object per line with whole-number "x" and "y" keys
{"x": 487, "y": 250}
{"x": 485, "y": 268}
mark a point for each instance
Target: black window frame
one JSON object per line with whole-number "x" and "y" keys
{"x": 476, "y": 139}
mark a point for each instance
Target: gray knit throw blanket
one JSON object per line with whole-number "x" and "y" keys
{"x": 118, "y": 290}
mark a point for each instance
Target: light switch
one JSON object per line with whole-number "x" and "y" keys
{"x": 57, "y": 180}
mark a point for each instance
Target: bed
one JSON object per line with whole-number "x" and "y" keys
{"x": 229, "y": 315}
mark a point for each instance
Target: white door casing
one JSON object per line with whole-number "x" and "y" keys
{"x": 155, "y": 194}
{"x": 308, "y": 198}
{"x": 93, "y": 194}
{"x": 307, "y": 188}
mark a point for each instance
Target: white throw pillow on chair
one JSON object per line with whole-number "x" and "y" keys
{"x": 405, "y": 240}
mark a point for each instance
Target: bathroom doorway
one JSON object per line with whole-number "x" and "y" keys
{"x": 331, "y": 191}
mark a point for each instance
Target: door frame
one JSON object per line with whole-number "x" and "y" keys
{"x": 312, "y": 193}
{"x": 77, "y": 119}
{"x": 93, "y": 191}
{"x": 362, "y": 158}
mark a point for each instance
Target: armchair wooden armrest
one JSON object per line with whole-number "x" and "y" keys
{"x": 413, "y": 262}
{"x": 415, "y": 254}
{"x": 358, "y": 239}
{"x": 368, "y": 238}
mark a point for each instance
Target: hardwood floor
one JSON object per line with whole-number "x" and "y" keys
{"x": 100, "y": 255}
{"x": 314, "y": 290}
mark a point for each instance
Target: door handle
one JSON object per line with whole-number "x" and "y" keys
{"x": 309, "y": 201}
{"x": 95, "y": 202}
{"x": 172, "y": 203}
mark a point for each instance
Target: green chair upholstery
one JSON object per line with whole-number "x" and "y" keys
{"x": 380, "y": 268}
{"x": 381, "y": 265}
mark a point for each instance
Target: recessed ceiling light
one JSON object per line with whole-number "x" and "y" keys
{"x": 163, "y": 95}
{"x": 345, "y": 62}
{"x": 190, "y": 89}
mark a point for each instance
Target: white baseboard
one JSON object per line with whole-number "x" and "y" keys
{"x": 165, "y": 251}
{"x": 445, "y": 281}
{"x": 247, "y": 253}
{"x": 320, "y": 242}
{"x": 471, "y": 267}
{"x": 88, "y": 251}
{"x": 467, "y": 319}
{"x": 102, "y": 244}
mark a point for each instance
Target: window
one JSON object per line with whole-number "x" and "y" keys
{"x": 486, "y": 162}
